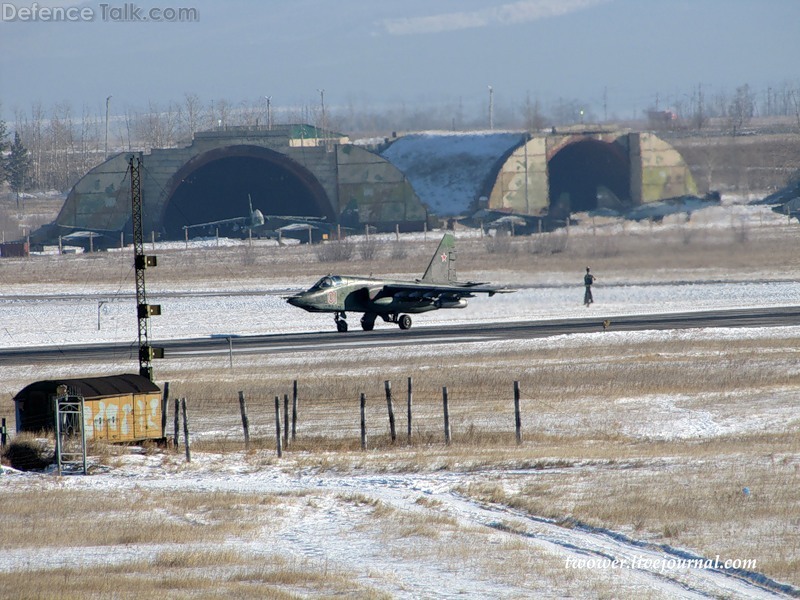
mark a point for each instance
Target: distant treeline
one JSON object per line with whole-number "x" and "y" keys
{"x": 64, "y": 143}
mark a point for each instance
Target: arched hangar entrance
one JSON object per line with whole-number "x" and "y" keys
{"x": 215, "y": 185}
{"x": 587, "y": 174}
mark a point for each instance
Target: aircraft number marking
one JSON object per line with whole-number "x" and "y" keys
{"x": 332, "y": 297}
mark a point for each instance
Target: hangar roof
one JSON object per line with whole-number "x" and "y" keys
{"x": 449, "y": 171}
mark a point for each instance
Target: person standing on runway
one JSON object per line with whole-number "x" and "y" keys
{"x": 588, "y": 280}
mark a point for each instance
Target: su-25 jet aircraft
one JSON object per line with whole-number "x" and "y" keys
{"x": 270, "y": 226}
{"x": 389, "y": 299}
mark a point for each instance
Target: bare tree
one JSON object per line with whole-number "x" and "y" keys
{"x": 699, "y": 114}
{"x": 89, "y": 141}
{"x": 31, "y": 133}
{"x": 249, "y": 113}
{"x": 794, "y": 98}
{"x": 220, "y": 113}
{"x": 741, "y": 109}
{"x": 534, "y": 119}
{"x": 192, "y": 113}
{"x": 157, "y": 127}
{"x": 126, "y": 135}
{"x": 60, "y": 147}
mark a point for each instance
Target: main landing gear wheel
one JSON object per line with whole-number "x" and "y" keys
{"x": 404, "y": 321}
{"x": 368, "y": 321}
{"x": 341, "y": 324}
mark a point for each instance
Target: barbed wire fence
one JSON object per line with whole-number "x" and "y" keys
{"x": 397, "y": 415}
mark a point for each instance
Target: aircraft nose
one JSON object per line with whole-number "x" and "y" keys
{"x": 295, "y": 300}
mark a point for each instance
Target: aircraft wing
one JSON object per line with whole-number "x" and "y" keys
{"x": 98, "y": 230}
{"x": 294, "y": 218}
{"x": 419, "y": 290}
{"x": 296, "y": 227}
{"x": 232, "y": 221}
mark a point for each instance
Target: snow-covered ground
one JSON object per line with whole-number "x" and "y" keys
{"x": 323, "y": 519}
{"x": 72, "y": 318}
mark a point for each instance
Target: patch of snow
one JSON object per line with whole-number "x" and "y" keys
{"x": 448, "y": 171}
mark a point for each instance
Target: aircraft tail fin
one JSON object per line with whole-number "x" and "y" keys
{"x": 442, "y": 268}
{"x": 256, "y": 216}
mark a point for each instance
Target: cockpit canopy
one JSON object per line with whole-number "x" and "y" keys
{"x": 326, "y": 282}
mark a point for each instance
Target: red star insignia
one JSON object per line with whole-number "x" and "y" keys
{"x": 444, "y": 257}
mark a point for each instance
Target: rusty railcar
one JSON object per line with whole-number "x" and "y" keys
{"x": 117, "y": 408}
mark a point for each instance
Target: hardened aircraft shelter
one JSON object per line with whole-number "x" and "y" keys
{"x": 406, "y": 181}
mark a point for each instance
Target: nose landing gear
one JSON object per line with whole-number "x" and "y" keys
{"x": 341, "y": 324}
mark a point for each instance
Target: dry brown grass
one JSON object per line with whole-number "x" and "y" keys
{"x": 597, "y": 417}
{"x": 183, "y": 575}
{"x": 36, "y": 517}
{"x": 690, "y": 495}
{"x": 592, "y": 462}
{"x": 636, "y": 253}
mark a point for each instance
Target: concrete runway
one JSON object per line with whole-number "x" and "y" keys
{"x": 392, "y": 336}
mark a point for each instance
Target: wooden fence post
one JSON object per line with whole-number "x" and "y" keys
{"x": 278, "y": 425}
{"x": 410, "y": 395}
{"x": 186, "y": 430}
{"x": 363, "y": 421}
{"x": 177, "y": 423}
{"x": 285, "y": 421}
{"x": 388, "y": 386}
{"x": 245, "y": 421}
{"x": 517, "y": 416}
{"x": 294, "y": 409}
{"x": 446, "y": 407}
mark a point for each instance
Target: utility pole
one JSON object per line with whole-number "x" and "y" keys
{"x": 269, "y": 111}
{"x": 491, "y": 107}
{"x": 108, "y": 99}
{"x": 144, "y": 310}
{"x": 322, "y": 103}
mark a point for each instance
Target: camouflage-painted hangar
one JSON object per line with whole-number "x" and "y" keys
{"x": 407, "y": 180}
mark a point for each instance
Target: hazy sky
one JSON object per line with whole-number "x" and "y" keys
{"x": 414, "y": 52}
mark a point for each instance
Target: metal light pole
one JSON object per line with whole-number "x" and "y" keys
{"x": 100, "y": 304}
{"x": 324, "y": 129}
{"x": 491, "y": 107}
{"x": 108, "y": 99}
{"x": 322, "y": 103}
{"x": 269, "y": 111}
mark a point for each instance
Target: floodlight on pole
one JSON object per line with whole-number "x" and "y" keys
{"x": 269, "y": 111}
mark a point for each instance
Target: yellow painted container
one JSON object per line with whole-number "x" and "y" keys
{"x": 125, "y": 418}
{"x": 117, "y": 408}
